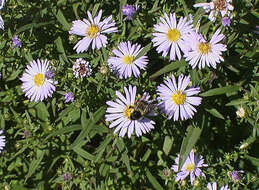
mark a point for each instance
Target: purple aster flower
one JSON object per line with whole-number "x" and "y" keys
{"x": 69, "y": 97}
{"x": 36, "y": 85}
{"x": 17, "y": 43}
{"x": 224, "y": 7}
{"x": 129, "y": 11}
{"x": 192, "y": 167}
{"x": 82, "y": 68}
{"x": 121, "y": 112}
{"x": 93, "y": 31}
{"x": 67, "y": 176}
{"x": 226, "y": 21}
{"x": 125, "y": 63}
{"x": 256, "y": 29}
{"x": 0, "y": 75}
{"x": 2, "y": 141}
{"x": 50, "y": 74}
{"x": 204, "y": 52}
{"x": 2, "y": 3}
{"x": 170, "y": 36}
{"x": 176, "y": 100}
{"x": 213, "y": 186}
{"x": 236, "y": 175}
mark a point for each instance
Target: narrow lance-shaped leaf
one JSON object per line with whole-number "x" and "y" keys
{"x": 219, "y": 91}
{"x": 172, "y": 66}
{"x": 153, "y": 180}
{"x": 34, "y": 164}
{"x": 192, "y": 136}
{"x": 144, "y": 50}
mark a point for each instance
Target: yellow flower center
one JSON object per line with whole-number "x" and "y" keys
{"x": 179, "y": 98}
{"x": 128, "y": 111}
{"x": 173, "y": 34}
{"x": 128, "y": 59}
{"x": 93, "y": 31}
{"x": 220, "y": 4}
{"x": 205, "y": 48}
{"x": 190, "y": 167}
{"x": 39, "y": 79}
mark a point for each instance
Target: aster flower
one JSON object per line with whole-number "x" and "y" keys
{"x": 17, "y": 43}
{"x": 215, "y": 6}
{"x": 82, "y": 68}
{"x": 50, "y": 74}
{"x": 214, "y": 186}
{"x": 241, "y": 112}
{"x": 120, "y": 113}
{"x": 2, "y": 3}
{"x": 226, "y": 21}
{"x": 2, "y": 141}
{"x": 177, "y": 99}
{"x": 92, "y": 31}
{"x": 203, "y": 52}
{"x": 129, "y": 11}
{"x": 171, "y": 37}
{"x": 67, "y": 176}
{"x": 126, "y": 62}
{"x": 69, "y": 97}
{"x": 36, "y": 85}
{"x": 192, "y": 166}
{"x": 236, "y": 175}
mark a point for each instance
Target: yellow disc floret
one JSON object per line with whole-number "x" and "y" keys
{"x": 128, "y": 111}
{"x": 39, "y": 79}
{"x": 190, "y": 167}
{"x": 179, "y": 97}
{"x": 173, "y": 34}
{"x": 128, "y": 59}
{"x": 92, "y": 32}
{"x": 205, "y": 48}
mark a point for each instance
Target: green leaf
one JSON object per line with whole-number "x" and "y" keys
{"x": 35, "y": 163}
{"x": 125, "y": 159}
{"x": 64, "y": 130}
{"x": 102, "y": 147}
{"x": 168, "y": 142}
{"x": 172, "y": 66}
{"x": 153, "y": 180}
{"x": 237, "y": 102}
{"x": 42, "y": 111}
{"x": 84, "y": 153}
{"x": 63, "y": 20}
{"x": 192, "y": 136}
{"x": 215, "y": 113}
{"x": 144, "y": 50}
{"x": 14, "y": 75}
{"x": 88, "y": 126}
{"x": 219, "y": 91}
{"x": 254, "y": 161}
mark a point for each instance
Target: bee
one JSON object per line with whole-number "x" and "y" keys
{"x": 142, "y": 107}
{"x": 82, "y": 69}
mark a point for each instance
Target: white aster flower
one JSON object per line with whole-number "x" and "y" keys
{"x": 215, "y": 6}
{"x": 175, "y": 98}
{"x": 92, "y": 31}
{"x": 120, "y": 113}
{"x": 36, "y": 85}
{"x": 171, "y": 37}
{"x": 125, "y": 63}
{"x": 213, "y": 186}
{"x": 241, "y": 112}
{"x": 2, "y": 141}
{"x": 202, "y": 52}
{"x": 192, "y": 166}
{"x": 82, "y": 68}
